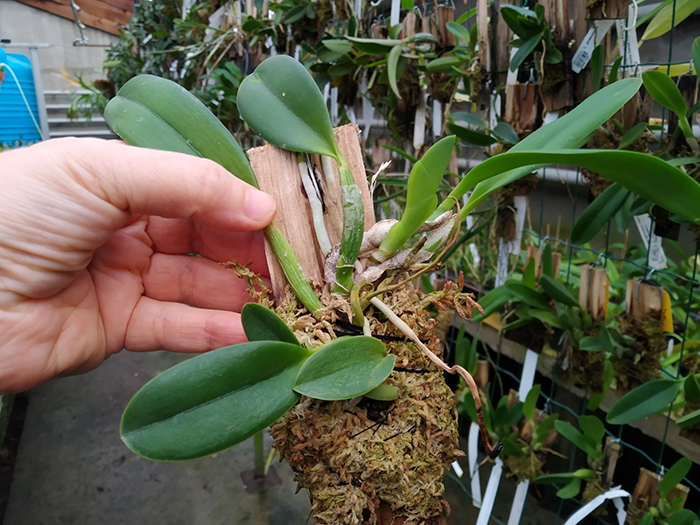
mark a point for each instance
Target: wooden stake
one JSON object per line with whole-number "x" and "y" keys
{"x": 521, "y": 106}
{"x": 612, "y": 453}
{"x": 610, "y": 9}
{"x": 482, "y": 20}
{"x": 445, "y": 14}
{"x": 482, "y": 374}
{"x": 277, "y": 172}
{"x": 593, "y": 291}
{"x": 647, "y": 490}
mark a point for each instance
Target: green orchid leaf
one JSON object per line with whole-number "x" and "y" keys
{"x": 529, "y": 276}
{"x": 601, "y": 210}
{"x": 374, "y": 46}
{"x": 570, "y": 490}
{"x": 383, "y": 392}
{"x": 492, "y": 302}
{"x": 346, "y": 367}
{"x": 443, "y": 64}
{"x": 666, "y": 18}
{"x": 646, "y": 175}
{"x": 531, "y": 402}
{"x": 505, "y": 133}
{"x": 584, "y": 473}
{"x": 665, "y": 92}
{"x": 458, "y": 30}
{"x": 578, "y": 439}
{"x": 511, "y": 448}
{"x": 597, "y": 59}
{"x": 281, "y": 102}
{"x": 557, "y": 291}
{"x": 526, "y": 295}
{"x": 643, "y": 401}
{"x": 547, "y": 317}
{"x": 337, "y": 45}
{"x": 614, "y": 69}
{"x": 632, "y": 135}
{"x": 392, "y": 67}
{"x": 466, "y": 15}
{"x": 682, "y": 517}
{"x": 570, "y": 131}
{"x": 213, "y": 401}
{"x": 551, "y": 479}
{"x": 421, "y": 200}
{"x": 470, "y": 136}
{"x": 548, "y": 262}
{"x": 591, "y": 344}
{"x": 593, "y": 428}
{"x": 691, "y": 386}
{"x": 674, "y": 476}
{"x": 152, "y": 112}
{"x": 695, "y": 52}
{"x": 525, "y": 48}
{"x": 262, "y": 324}
{"x": 689, "y": 420}
{"x": 469, "y": 118}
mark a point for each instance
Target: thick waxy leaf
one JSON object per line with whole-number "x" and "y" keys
{"x": 338, "y": 45}
{"x": 690, "y": 420}
{"x": 443, "y": 64}
{"x": 666, "y": 18}
{"x": 570, "y": 490}
{"x": 674, "y": 476}
{"x": 695, "y": 51}
{"x": 282, "y": 103}
{"x": 691, "y": 387}
{"x": 505, "y": 133}
{"x": 593, "y": 428}
{"x": 152, "y": 112}
{"x": 262, "y": 324}
{"x": 421, "y": 200}
{"x": 643, "y": 401}
{"x": 578, "y": 439}
{"x": 344, "y": 368}
{"x": 597, "y": 399}
{"x": 213, "y": 401}
{"x": 392, "y": 67}
{"x": 374, "y": 46}
{"x": 458, "y": 30}
{"x": 631, "y": 136}
{"x": 557, "y": 291}
{"x": 664, "y": 90}
{"x": 650, "y": 177}
{"x": 469, "y": 118}
{"x": 595, "y": 216}
{"x": 570, "y": 131}
{"x": 470, "y": 136}
{"x": 550, "y": 479}
{"x": 383, "y": 393}
{"x": 547, "y": 317}
{"x": 524, "y": 50}
{"x": 547, "y": 261}
{"x": 526, "y": 295}
{"x": 597, "y": 59}
{"x": 492, "y": 302}
{"x": 531, "y": 402}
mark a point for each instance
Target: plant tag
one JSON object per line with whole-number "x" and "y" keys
{"x": 528, "y": 377}
{"x": 512, "y": 76}
{"x": 458, "y": 469}
{"x": 657, "y": 257}
{"x": 516, "y": 511}
{"x": 334, "y": 106}
{"x": 520, "y": 205}
{"x": 594, "y": 37}
{"x": 395, "y": 12}
{"x": 596, "y": 502}
{"x": 186, "y": 5}
{"x": 495, "y": 110}
{"x": 367, "y": 109}
{"x": 358, "y": 9}
{"x": 473, "y": 458}
{"x": 502, "y": 263}
{"x": 437, "y": 118}
{"x": 350, "y": 112}
{"x": 629, "y": 48}
{"x": 491, "y": 491}
{"x": 472, "y": 246}
{"x": 550, "y": 116}
{"x": 621, "y": 512}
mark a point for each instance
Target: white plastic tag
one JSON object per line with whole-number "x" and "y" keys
{"x": 520, "y": 205}
{"x": 516, "y": 511}
{"x": 437, "y": 118}
{"x": 473, "y": 458}
{"x": 621, "y": 512}
{"x": 528, "y": 377}
{"x": 596, "y": 502}
{"x": 629, "y": 48}
{"x": 657, "y": 257}
{"x": 491, "y": 491}
{"x": 593, "y": 38}
{"x": 395, "y": 12}
{"x": 334, "y": 106}
{"x": 502, "y": 263}
{"x": 512, "y": 76}
{"x": 458, "y": 469}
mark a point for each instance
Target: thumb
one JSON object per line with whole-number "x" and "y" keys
{"x": 166, "y": 184}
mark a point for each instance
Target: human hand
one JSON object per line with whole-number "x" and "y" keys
{"x": 94, "y": 244}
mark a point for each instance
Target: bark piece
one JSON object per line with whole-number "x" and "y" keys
{"x": 278, "y": 174}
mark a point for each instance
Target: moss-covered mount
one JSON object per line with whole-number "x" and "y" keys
{"x": 364, "y": 460}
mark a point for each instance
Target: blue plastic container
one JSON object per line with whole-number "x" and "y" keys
{"x": 16, "y": 123}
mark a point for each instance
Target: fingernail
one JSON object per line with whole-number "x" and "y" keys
{"x": 258, "y": 205}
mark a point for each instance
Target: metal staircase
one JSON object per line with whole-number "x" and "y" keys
{"x": 57, "y": 105}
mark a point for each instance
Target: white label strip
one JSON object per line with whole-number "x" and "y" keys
{"x": 657, "y": 257}
{"x": 472, "y": 246}
{"x": 669, "y": 346}
{"x": 593, "y": 38}
{"x": 516, "y": 511}
{"x": 621, "y": 512}
{"x": 395, "y": 12}
{"x": 550, "y": 116}
{"x": 358, "y": 9}
{"x": 437, "y": 118}
{"x": 495, "y": 110}
{"x": 512, "y": 76}
{"x": 473, "y": 459}
{"x": 528, "y": 377}
{"x": 502, "y": 263}
{"x": 334, "y": 106}
{"x": 491, "y": 491}
{"x": 596, "y": 502}
{"x": 629, "y": 48}
{"x": 458, "y": 469}
{"x": 367, "y": 109}
{"x": 520, "y": 205}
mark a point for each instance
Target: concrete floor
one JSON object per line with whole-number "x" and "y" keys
{"x": 72, "y": 468}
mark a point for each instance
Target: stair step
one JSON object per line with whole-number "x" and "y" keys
{"x": 80, "y": 121}
{"x": 83, "y": 133}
